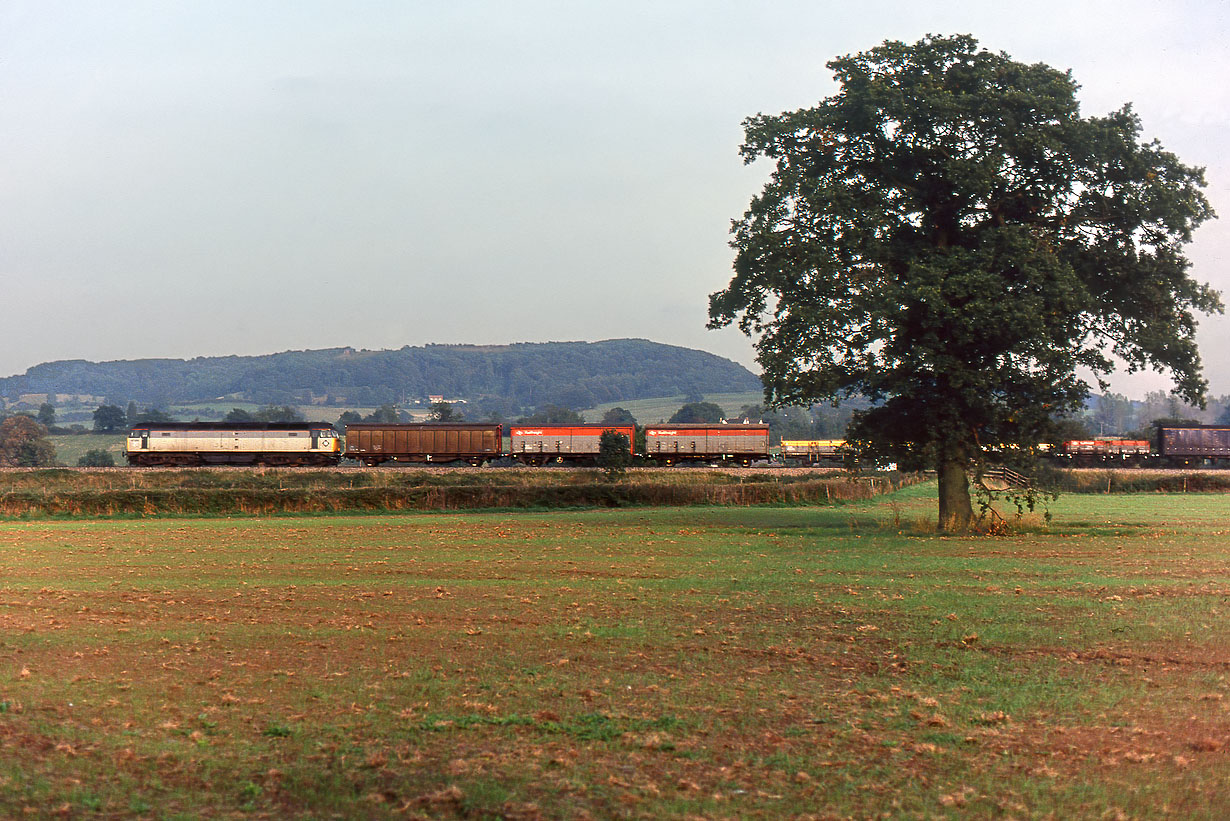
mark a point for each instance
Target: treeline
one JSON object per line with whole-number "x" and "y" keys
{"x": 526, "y": 375}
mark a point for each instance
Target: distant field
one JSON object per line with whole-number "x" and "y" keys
{"x": 649, "y": 663}
{"x": 213, "y": 411}
{"x": 71, "y": 447}
{"x": 652, "y": 411}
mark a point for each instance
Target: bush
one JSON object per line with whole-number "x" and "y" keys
{"x": 96, "y": 458}
{"x": 614, "y": 454}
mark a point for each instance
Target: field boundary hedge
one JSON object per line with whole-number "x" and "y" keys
{"x": 269, "y": 493}
{"x": 1138, "y": 481}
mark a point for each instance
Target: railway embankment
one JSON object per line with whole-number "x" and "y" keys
{"x": 271, "y": 491}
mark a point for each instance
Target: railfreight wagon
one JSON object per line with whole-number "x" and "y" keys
{"x": 189, "y": 444}
{"x": 424, "y": 442}
{"x": 814, "y": 451}
{"x": 1085, "y": 452}
{"x": 562, "y": 444}
{"x": 1194, "y": 444}
{"x": 740, "y": 443}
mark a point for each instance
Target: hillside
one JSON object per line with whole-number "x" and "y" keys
{"x": 575, "y": 374}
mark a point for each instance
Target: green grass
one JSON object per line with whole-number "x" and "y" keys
{"x": 653, "y": 411}
{"x": 71, "y": 447}
{"x": 715, "y": 662}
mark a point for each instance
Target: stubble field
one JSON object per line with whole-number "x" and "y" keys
{"x": 645, "y": 663}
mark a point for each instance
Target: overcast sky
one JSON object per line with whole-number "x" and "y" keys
{"x": 193, "y": 179}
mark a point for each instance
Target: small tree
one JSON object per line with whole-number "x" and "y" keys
{"x": 618, "y": 417}
{"x": 445, "y": 412}
{"x": 96, "y": 458}
{"x": 614, "y": 454}
{"x": 697, "y": 412}
{"x": 46, "y": 414}
{"x": 24, "y": 443}
{"x": 277, "y": 413}
{"x": 347, "y": 418}
{"x": 109, "y": 418}
{"x": 239, "y": 415}
{"x": 384, "y": 415}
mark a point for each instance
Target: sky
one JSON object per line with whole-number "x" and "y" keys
{"x": 202, "y": 179}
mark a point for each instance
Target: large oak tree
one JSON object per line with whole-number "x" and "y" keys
{"x": 948, "y": 236}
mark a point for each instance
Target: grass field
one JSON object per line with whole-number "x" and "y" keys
{"x": 653, "y": 411}
{"x": 645, "y": 663}
{"x": 71, "y": 447}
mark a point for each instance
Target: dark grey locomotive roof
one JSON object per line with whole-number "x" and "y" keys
{"x": 233, "y": 426}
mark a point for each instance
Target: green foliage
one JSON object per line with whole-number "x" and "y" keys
{"x": 575, "y": 374}
{"x": 948, "y": 237}
{"x": 96, "y": 458}
{"x": 239, "y": 415}
{"x": 23, "y": 443}
{"x": 109, "y": 418}
{"x": 347, "y": 418}
{"x": 695, "y": 412}
{"x": 618, "y": 417}
{"x": 445, "y": 412}
{"x": 277, "y": 413}
{"x": 46, "y": 414}
{"x": 614, "y": 454}
{"x": 1066, "y": 429}
{"x": 384, "y": 415}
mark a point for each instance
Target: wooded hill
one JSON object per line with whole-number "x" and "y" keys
{"x": 572, "y": 374}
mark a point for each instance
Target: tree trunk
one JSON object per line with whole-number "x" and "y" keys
{"x": 956, "y": 510}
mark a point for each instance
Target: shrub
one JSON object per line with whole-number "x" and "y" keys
{"x": 96, "y": 458}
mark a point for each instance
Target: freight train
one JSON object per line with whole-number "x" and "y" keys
{"x": 1172, "y": 446}
{"x": 186, "y": 444}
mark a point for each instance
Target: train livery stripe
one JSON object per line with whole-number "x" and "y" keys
{"x": 562, "y": 430}
{"x": 762, "y": 432}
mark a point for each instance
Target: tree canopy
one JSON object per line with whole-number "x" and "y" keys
{"x": 618, "y": 416}
{"x": 948, "y": 237}
{"x": 24, "y": 443}
{"x": 109, "y": 418}
{"x": 696, "y": 412}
